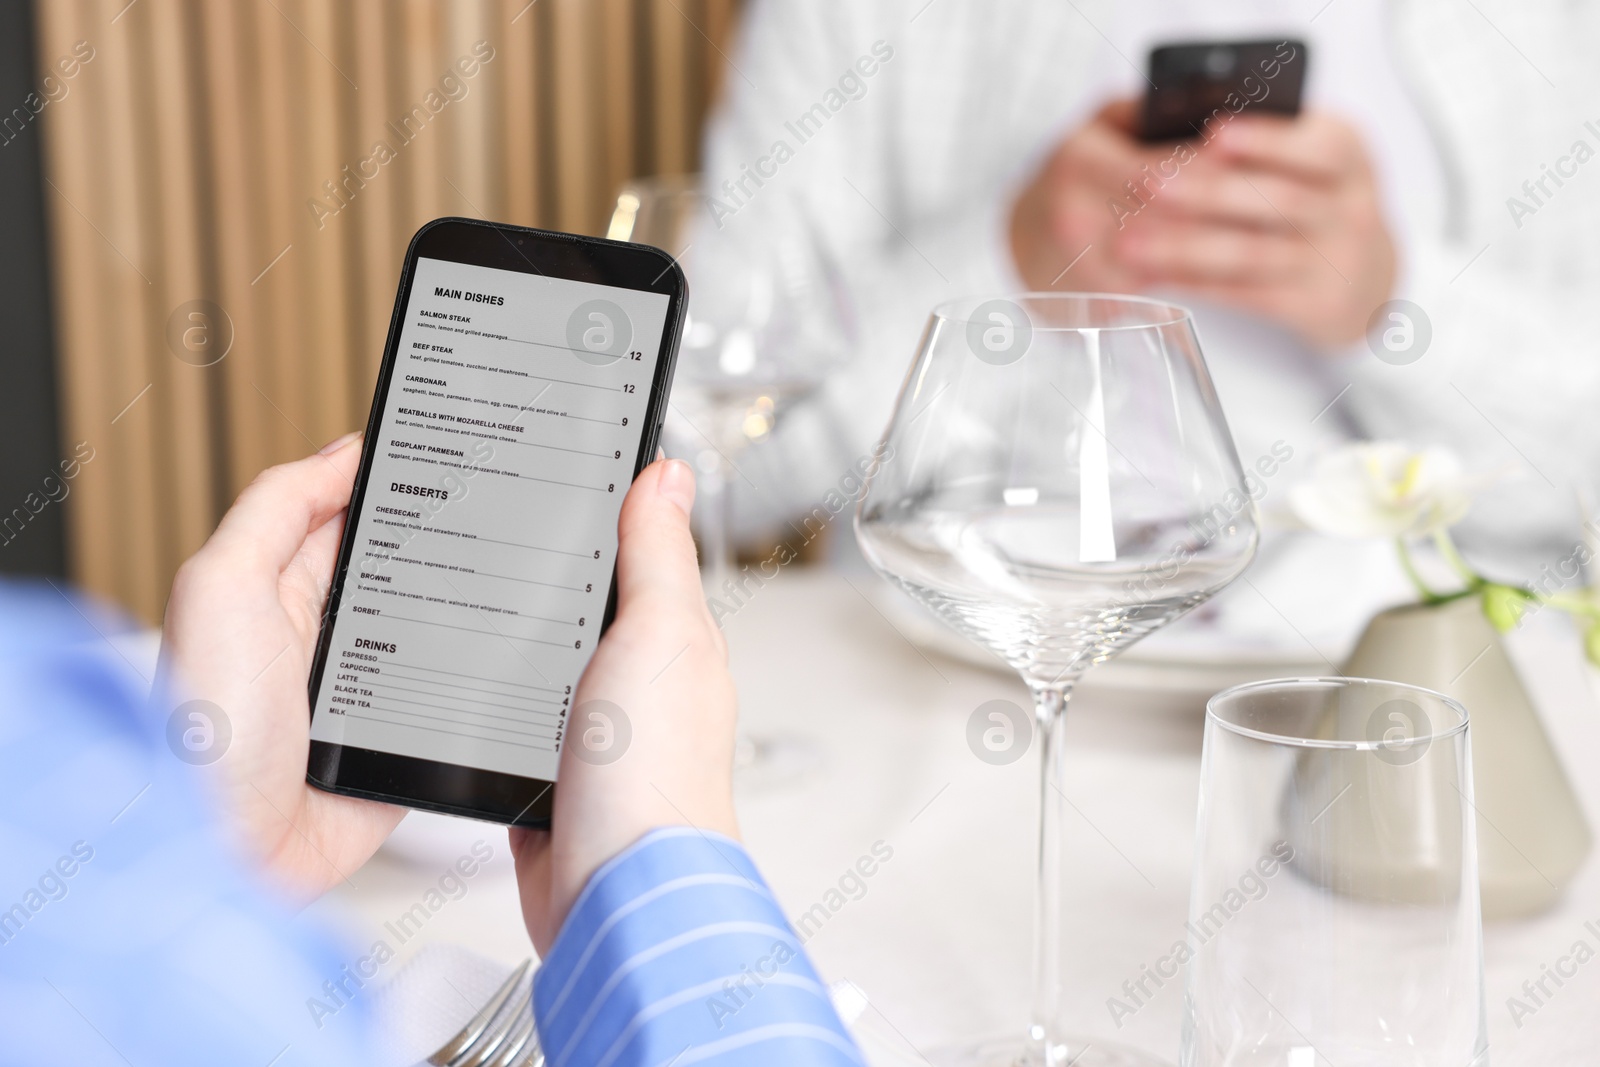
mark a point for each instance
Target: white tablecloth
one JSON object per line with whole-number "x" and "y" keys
{"x": 940, "y": 939}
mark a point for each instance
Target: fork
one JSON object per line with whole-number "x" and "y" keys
{"x": 500, "y": 1034}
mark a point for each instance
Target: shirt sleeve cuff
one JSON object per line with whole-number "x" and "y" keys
{"x": 676, "y": 951}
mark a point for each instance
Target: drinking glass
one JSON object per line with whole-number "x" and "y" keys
{"x": 1333, "y": 917}
{"x": 1057, "y": 482}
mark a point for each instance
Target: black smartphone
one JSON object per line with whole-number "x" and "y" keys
{"x": 523, "y": 386}
{"x": 1196, "y": 86}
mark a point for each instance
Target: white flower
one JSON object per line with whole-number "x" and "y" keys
{"x": 1383, "y": 489}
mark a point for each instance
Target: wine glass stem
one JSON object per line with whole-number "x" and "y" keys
{"x": 1045, "y": 1047}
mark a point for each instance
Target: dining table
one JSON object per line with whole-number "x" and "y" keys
{"x": 861, "y": 735}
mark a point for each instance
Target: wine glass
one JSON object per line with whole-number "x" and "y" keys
{"x": 1058, "y": 482}
{"x": 765, "y": 329}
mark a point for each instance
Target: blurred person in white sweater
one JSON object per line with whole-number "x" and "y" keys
{"x": 967, "y": 147}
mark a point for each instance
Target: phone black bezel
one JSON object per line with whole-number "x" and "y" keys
{"x": 1164, "y": 60}
{"x": 450, "y": 788}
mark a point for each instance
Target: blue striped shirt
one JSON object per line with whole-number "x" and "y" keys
{"x": 131, "y": 932}
{"x": 676, "y": 953}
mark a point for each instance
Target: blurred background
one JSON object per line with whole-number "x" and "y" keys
{"x": 239, "y": 180}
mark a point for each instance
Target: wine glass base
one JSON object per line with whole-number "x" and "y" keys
{"x": 1075, "y": 1051}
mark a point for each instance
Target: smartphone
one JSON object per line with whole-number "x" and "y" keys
{"x": 523, "y": 386}
{"x": 1198, "y": 81}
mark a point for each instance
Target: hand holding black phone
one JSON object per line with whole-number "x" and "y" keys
{"x": 523, "y": 386}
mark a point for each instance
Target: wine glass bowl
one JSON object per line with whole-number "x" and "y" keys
{"x": 1057, "y": 482}
{"x": 1060, "y": 500}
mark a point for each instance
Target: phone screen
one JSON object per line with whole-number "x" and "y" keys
{"x": 486, "y": 537}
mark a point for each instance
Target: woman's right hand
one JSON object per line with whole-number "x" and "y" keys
{"x": 651, "y": 733}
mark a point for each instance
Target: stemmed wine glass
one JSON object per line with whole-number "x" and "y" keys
{"x": 1060, "y": 482}
{"x": 766, "y": 327}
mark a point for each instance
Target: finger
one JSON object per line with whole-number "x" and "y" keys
{"x": 1315, "y": 146}
{"x": 339, "y": 442}
{"x": 1121, "y": 114}
{"x": 527, "y": 844}
{"x": 531, "y": 855}
{"x": 276, "y": 512}
{"x": 310, "y": 575}
{"x": 321, "y": 549}
{"x": 1207, "y": 252}
{"x": 1270, "y": 300}
{"x": 1263, "y": 199}
{"x": 1090, "y": 175}
{"x": 1107, "y": 156}
{"x": 655, "y": 551}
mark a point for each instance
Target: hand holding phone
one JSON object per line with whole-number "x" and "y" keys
{"x": 523, "y": 386}
{"x": 236, "y": 645}
{"x": 252, "y": 596}
{"x": 661, "y": 677}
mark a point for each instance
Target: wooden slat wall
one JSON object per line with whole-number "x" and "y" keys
{"x": 182, "y": 165}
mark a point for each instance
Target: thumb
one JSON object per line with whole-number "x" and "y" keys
{"x": 285, "y": 504}
{"x": 1122, "y": 113}
{"x": 655, "y": 551}
{"x": 530, "y": 849}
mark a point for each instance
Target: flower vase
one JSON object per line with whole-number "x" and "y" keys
{"x": 1532, "y": 835}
